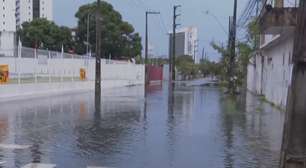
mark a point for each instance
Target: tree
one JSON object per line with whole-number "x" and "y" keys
{"x": 186, "y": 67}
{"x": 243, "y": 55}
{"x": 118, "y": 37}
{"x": 211, "y": 68}
{"x": 44, "y": 34}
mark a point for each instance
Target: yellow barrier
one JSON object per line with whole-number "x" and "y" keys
{"x": 82, "y": 74}
{"x": 4, "y": 74}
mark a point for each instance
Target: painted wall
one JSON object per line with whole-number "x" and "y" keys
{"x": 113, "y": 75}
{"x": 57, "y": 67}
{"x": 270, "y": 70}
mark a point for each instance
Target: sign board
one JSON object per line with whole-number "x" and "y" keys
{"x": 4, "y": 74}
{"x": 82, "y": 74}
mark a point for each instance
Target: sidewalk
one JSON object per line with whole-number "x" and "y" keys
{"x": 24, "y": 91}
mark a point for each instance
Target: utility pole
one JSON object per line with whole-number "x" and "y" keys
{"x": 293, "y": 153}
{"x": 98, "y": 59}
{"x": 232, "y": 87}
{"x": 147, "y": 45}
{"x": 172, "y": 59}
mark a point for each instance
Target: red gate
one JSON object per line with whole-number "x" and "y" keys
{"x": 155, "y": 74}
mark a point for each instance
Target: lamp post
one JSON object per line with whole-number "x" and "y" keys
{"x": 146, "y": 44}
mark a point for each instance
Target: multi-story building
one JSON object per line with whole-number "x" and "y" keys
{"x": 15, "y": 12}
{"x": 7, "y": 27}
{"x": 27, "y": 10}
{"x": 186, "y": 43}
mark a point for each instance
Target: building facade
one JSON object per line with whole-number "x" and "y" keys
{"x": 7, "y": 27}
{"x": 270, "y": 68}
{"x": 27, "y": 10}
{"x": 15, "y": 12}
{"x": 186, "y": 43}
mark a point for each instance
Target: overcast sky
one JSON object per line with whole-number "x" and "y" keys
{"x": 193, "y": 14}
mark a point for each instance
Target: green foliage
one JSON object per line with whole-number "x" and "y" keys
{"x": 244, "y": 50}
{"x": 210, "y": 68}
{"x": 253, "y": 34}
{"x": 224, "y": 61}
{"x": 186, "y": 67}
{"x": 41, "y": 33}
{"x": 158, "y": 61}
{"x": 118, "y": 37}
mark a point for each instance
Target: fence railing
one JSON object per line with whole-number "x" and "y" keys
{"x": 28, "y": 65}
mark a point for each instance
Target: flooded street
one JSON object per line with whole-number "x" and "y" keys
{"x": 204, "y": 129}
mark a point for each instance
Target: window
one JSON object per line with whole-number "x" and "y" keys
{"x": 36, "y": 9}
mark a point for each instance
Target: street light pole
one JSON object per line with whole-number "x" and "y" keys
{"x": 147, "y": 45}
{"x": 98, "y": 60}
{"x": 172, "y": 59}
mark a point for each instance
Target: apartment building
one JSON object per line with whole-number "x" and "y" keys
{"x": 27, "y": 10}
{"x": 186, "y": 43}
{"x": 7, "y": 27}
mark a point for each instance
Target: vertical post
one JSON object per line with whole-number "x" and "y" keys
{"x": 62, "y": 71}
{"x": 147, "y": 45}
{"x": 98, "y": 59}
{"x": 175, "y": 15}
{"x": 49, "y": 58}
{"x": 232, "y": 87}
{"x": 146, "y": 53}
{"x": 19, "y": 60}
{"x": 293, "y": 154}
{"x": 173, "y": 45}
{"x": 35, "y": 63}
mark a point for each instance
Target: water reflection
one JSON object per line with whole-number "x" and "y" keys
{"x": 186, "y": 127}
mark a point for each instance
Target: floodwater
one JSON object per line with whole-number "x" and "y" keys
{"x": 203, "y": 129}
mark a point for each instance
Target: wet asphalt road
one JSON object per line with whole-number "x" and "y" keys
{"x": 203, "y": 129}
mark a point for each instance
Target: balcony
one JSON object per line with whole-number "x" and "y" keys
{"x": 277, "y": 20}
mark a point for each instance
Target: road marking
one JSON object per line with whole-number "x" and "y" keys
{"x": 39, "y": 165}
{"x": 14, "y": 146}
{"x": 1, "y": 163}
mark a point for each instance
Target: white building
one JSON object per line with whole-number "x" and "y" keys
{"x": 270, "y": 68}
{"x": 15, "y": 12}
{"x": 186, "y": 43}
{"x": 27, "y": 10}
{"x": 7, "y": 27}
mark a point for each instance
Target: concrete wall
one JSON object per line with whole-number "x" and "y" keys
{"x": 7, "y": 43}
{"x": 113, "y": 75}
{"x": 71, "y": 67}
{"x": 270, "y": 70}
